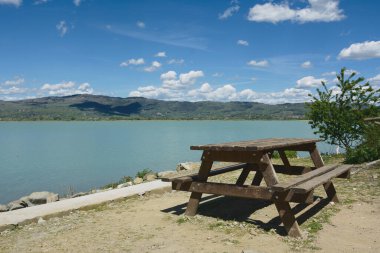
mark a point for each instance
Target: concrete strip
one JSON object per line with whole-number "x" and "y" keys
{"x": 30, "y": 214}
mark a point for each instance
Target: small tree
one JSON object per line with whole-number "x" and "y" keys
{"x": 337, "y": 115}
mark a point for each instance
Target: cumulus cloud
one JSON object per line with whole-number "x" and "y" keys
{"x": 15, "y": 82}
{"x": 375, "y": 81}
{"x": 225, "y": 92}
{"x": 16, "y": 3}
{"x": 140, "y": 24}
{"x": 361, "y": 51}
{"x": 243, "y": 43}
{"x": 12, "y": 90}
{"x": 254, "y": 63}
{"x": 153, "y": 66}
{"x": 62, "y": 28}
{"x": 170, "y": 80}
{"x": 229, "y": 12}
{"x": 315, "y": 11}
{"x": 132, "y": 61}
{"x": 66, "y": 88}
{"x": 176, "y": 61}
{"x": 307, "y": 65}
{"x": 160, "y": 54}
{"x": 309, "y": 82}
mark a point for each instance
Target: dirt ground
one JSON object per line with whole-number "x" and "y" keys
{"x": 155, "y": 223}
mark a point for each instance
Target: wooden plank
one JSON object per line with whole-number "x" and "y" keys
{"x": 195, "y": 197}
{"x": 267, "y": 169}
{"x": 284, "y": 158}
{"x": 318, "y": 162}
{"x": 244, "y": 191}
{"x": 322, "y": 179}
{"x": 214, "y": 172}
{"x": 234, "y": 156}
{"x": 292, "y": 170}
{"x": 303, "y": 178}
{"x": 256, "y": 145}
{"x": 243, "y": 176}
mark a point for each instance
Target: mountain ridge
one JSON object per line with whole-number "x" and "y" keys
{"x": 100, "y": 107}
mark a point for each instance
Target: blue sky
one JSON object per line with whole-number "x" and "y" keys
{"x": 263, "y": 51}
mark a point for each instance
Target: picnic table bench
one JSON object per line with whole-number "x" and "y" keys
{"x": 255, "y": 156}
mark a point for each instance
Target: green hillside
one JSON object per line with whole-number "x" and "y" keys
{"x": 93, "y": 107}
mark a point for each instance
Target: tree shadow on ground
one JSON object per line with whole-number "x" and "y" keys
{"x": 240, "y": 209}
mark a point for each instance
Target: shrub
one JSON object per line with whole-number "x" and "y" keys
{"x": 143, "y": 172}
{"x": 368, "y": 150}
{"x": 289, "y": 154}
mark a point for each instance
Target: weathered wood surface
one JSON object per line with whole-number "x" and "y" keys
{"x": 256, "y": 145}
{"x": 242, "y": 191}
{"x": 195, "y": 197}
{"x": 213, "y": 172}
{"x": 303, "y": 178}
{"x": 322, "y": 179}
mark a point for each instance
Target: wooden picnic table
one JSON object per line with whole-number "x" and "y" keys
{"x": 255, "y": 155}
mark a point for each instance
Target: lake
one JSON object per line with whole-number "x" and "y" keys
{"x": 56, "y": 156}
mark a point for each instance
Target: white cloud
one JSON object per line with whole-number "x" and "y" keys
{"x": 309, "y": 82}
{"x": 176, "y": 61}
{"x": 307, "y": 65}
{"x": 332, "y": 73}
{"x": 328, "y": 57}
{"x": 375, "y": 81}
{"x": 62, "y": 28}
{"x": 77, "y": 2}
{"x": 315, "y": 11}
{"x": 263, "y": 63}
{"x": 66, "y": 88}
{"x": 217, "y": 74}
{"x": 226, "y": 92}
{"x": 229, "y": 12}
{"x": 132, "y": 61}
{"x": 351, "y": 71}
{"x": 190, "y": 77}
{"x": 12, "y": 90}
{"x": 170, "y": 80}
{"x": 153, "y": 67}
{"x": 15, "y": 82}
{"x": 16, "y": 3}
{"x": 361, "y": 51}
{"x": 140, "y": 24}
{"x": 243, "y": 43}
{"x": 160, "y": 54}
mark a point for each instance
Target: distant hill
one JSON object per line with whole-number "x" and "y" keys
{"x": 93, "y": 107}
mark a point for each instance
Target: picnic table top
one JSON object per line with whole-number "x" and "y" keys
{"x": 256, "y": 145}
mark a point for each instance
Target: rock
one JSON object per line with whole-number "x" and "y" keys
{"x": 38, "y": 198}
{"x": 138, "y": 180}
{"x": 79, "y": 194}
{"x": 166, "y": 173}
{"x": 41, "y": 221}
{"x": 17, "y": 204}
{"x": 184, "y": 166}
{"x": 124, "y": 185}
{"x": 3, "y": 208}
{"x": 150, "y": 177}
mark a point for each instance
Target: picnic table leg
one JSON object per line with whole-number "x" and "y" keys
{"x": 195, "y": 197}
{"x": 243, "y": 176}
{"x": 318, "y": 162}
{"x": 284, "y": 158}
{"x": 283, "y": 207}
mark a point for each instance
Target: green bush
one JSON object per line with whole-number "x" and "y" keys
{"x": 289, "y": 154}
{"x": 143, "y": 172}
{"x": 368, "y": 150}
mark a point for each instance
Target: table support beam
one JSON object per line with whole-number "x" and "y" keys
{"x": 283, "y": 207}
{"x": 195, "y": 197}
{"x": 318, "y": 162}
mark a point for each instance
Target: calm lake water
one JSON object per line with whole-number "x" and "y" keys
{"x": 53, "y": 156}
